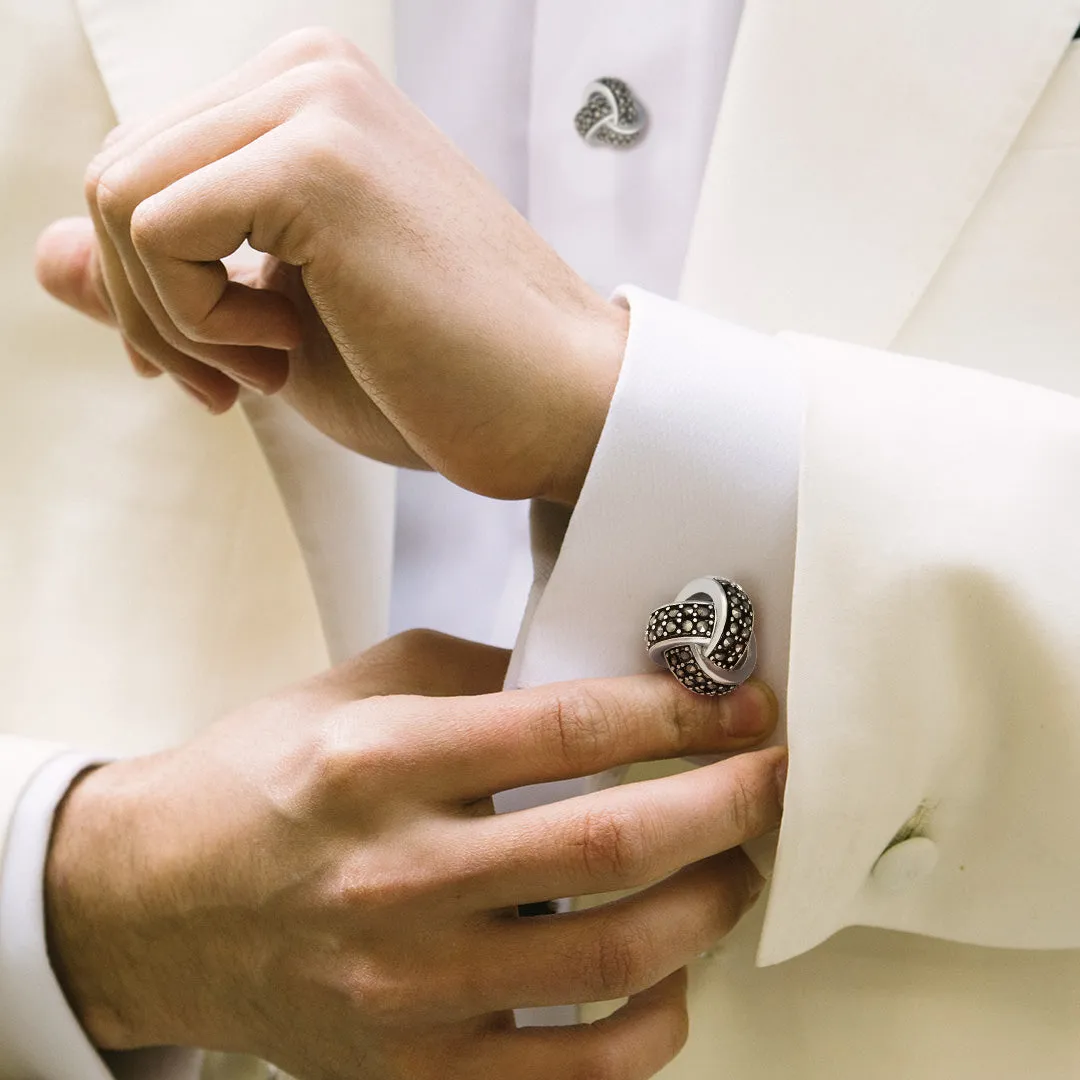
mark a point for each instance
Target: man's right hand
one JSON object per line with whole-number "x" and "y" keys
{"x": 319, "y": 879}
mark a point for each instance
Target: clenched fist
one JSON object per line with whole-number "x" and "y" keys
{"x": 403, "y": 305}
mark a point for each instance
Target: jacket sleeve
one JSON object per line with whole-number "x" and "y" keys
{"x": 911, "y": 528}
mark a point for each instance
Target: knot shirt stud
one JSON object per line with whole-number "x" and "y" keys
{"x": 611, "y": 115}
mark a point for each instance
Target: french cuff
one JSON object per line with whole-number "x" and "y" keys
{"x": 695, "y": 473}
{"x": 39, "y": 1031}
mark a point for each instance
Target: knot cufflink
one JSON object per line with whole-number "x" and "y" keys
{"x": 706, "y": 637}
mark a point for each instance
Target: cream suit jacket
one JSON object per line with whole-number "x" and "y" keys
{"x": 887, "y": 182}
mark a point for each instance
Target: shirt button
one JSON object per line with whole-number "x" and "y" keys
{"x": 611, "y": 115}
{"x": 905, "y": 864}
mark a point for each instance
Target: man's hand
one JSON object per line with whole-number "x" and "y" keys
{"x": 319, "y": 880}
{"x": 404, "y": 305}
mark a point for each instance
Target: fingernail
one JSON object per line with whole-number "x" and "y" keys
{"x": 781, "y": 779}
{"x": 750, "y": 712}
{"x": 265, "y": 372}
{"x": 252, "y": 383}
{"x": 142, "y": 366}
{"x": 203, "y": 399}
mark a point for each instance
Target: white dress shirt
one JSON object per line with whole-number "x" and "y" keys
{"x": 504, "y": 81}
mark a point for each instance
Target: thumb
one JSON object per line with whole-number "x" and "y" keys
{"x": 68, "y": 266}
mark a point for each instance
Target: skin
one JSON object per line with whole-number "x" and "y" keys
{"x": 399, "y": 302}
{"x": 319, "y": 879}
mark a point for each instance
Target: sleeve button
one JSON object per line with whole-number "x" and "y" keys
{"x": 905, "y": 864}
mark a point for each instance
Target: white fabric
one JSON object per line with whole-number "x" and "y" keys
{"x": 936, "y": 628}
{"x": 892, "y": 174}
{"x": 625, "y": 216}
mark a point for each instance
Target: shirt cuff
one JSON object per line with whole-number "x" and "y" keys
{"x": 39, "y": 1033}
{"x": 696, "y": 473}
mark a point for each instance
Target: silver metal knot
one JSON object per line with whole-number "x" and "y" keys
{"x": 706, "y": 637}
{"x": 611, "y": 115}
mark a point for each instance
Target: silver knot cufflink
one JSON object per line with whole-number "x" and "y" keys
{"x": 611, "y": 115}
{"x": 706, "y": 637}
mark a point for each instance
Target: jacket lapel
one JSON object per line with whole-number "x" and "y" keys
{"x": 152, "y": 51}
{"x": 855, "y": 138}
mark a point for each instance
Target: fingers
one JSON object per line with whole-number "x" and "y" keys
{"x": 67, "y": 264}
{"x": 626, "y": 836}
{"x": 503, "y": 741}
{"x": 632, "y": 1044}
{"x": 617, "y": 949}
{"x": 172, "y": 244}
{"x": 258, "y": 358}
{"x": 309, "y": 45}
{"x": 214, "y": 390}
{"x": 241, "y": 334}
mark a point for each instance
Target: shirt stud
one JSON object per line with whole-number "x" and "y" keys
{"x": 611, "y": 116}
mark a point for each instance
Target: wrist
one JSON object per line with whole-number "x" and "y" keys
{"x": 90, "y": 916}
{"x": 599, "y": 346}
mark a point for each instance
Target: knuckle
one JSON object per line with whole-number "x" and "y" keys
{"x": 685, "y": 716}
{"x": 193, "y": 329}
{"x": 113, "y": 196}
{"x": 320, "y": 145}
{"x": 141, "y": 334}
{"x": 614, "y": 847}
{"x": 146, "y": 225}
{"x": 383, "y": 998}
{"x": 99, "y": 165}
{"x": 393, "y": 993}
{"x": 92, "y": 179}
{"x": 342, "y": 80}
{"x": 411, "y": 643}
{"x": 577, "y": 726}
{"x": 347, "y": 755}
{"x": 382, "y": 892}
{"x": 743, "y": 804}
{"x": 320, "y": 43}
{"x": 620, "y": 960}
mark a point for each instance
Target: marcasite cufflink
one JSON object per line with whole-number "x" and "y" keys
{"x": 706, "y": 637}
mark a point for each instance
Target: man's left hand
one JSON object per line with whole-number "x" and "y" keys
{"x": 399, "y": 301}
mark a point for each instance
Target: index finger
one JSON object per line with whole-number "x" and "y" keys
{"x": 566, "y": 730}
